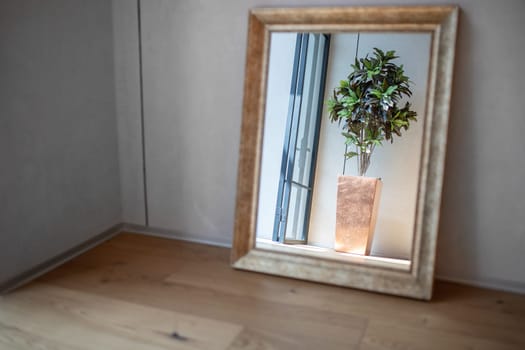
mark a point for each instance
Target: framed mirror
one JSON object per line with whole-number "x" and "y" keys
{"x": 291, "y": 155}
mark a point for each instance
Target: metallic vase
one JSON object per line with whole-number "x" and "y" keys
{"x": 356, "y": 214}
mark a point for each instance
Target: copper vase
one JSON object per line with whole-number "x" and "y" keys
{"x": 356, "y": 213}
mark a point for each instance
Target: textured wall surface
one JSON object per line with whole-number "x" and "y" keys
{"x": 127, "y": 100}
{"x": 59, "y": 179}
{"x": 395, "y": 221}
{"x": 194, "y": 54}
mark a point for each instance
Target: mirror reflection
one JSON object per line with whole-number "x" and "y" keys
{"x": 303, "y": 152}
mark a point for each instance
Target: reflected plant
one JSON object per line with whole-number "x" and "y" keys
{"x": 366, "y": 104}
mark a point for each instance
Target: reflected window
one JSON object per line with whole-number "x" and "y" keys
{"x": 301, "y": 138}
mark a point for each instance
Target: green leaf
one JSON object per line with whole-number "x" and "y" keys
{"x": 350, "y": 139}
{"x": 390, "y": 90}
{"x": 366, "y": 103}
{"x": 399, "y": 123}
{"x": 377, "y": 93}
{"x": 343, "y": 113}
{"x": 349, "y": 155}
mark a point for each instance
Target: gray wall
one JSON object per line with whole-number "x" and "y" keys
{"x": 194, "y": 67}
{"x": 192, "y": 91}
{"x": 59, "y": 178}
{"x": 127, "y": 84}
{"x": 59, "y": 182}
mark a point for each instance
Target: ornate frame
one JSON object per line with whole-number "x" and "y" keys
{"x": 441, "y": 22}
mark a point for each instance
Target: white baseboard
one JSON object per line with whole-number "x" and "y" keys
{"x": 172, "y": 234}
{"x": 502, "y": 285}
{"x": 48, "y": 265}
{"x": 39, "y": 270}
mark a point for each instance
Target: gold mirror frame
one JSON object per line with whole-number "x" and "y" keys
{"x": 441, "y": 23}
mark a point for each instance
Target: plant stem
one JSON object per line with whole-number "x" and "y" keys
{"x": 364, "y": 159}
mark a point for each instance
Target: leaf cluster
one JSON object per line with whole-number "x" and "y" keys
{"x": 367, "y": 102}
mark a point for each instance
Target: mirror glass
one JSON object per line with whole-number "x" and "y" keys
{"x": 296, "y": 210}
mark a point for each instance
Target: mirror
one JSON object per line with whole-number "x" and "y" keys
{"x": 318, "y": 157}
{"x": 291, "y": 155}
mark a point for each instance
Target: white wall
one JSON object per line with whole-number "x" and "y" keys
{"x": 194, "y": 69}
{"x": 397, "y": 164}
{"x": 280, "y": 66}
{"x": 59, "y": 179}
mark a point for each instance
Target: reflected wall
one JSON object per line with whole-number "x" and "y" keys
{"x": 396, "y": 164}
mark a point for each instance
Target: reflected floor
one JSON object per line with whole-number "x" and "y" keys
{"x": 331, "y": 254}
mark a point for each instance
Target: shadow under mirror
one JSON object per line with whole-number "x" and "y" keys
{"x": 303, "y": 152}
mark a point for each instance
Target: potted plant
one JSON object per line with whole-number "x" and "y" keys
{"x": 367, "y": 105}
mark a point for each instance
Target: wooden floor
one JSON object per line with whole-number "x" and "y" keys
{"x": 138, "y": 292}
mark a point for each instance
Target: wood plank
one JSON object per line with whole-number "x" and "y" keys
{"x": 13, "y": 338}
{"x": 148, "y": 277}
{"x": 86, "y": 321}
{"x": 395, "y": 335}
